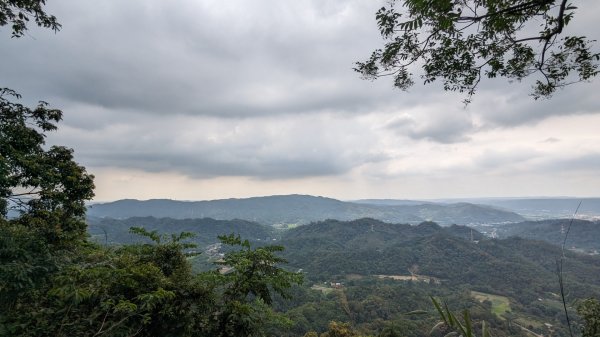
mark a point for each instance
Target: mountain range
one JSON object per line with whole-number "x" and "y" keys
{"x": 542, "y": 208}
{"x": 294, "y": 210}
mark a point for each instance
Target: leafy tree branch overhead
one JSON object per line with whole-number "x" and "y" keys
{"x": 459, "y": 42}
{"x": 18, "y": 13}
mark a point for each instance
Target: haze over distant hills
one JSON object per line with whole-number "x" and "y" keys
{"x": 543, "y": 208}
{"x": 303, "y": 209}
{"x": 581, "y": 235}
{"x": 531, "y": 208}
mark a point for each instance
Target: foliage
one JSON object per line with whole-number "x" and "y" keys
{"x": 45, "y": 191}
{"x": 17, "y": 13}
{"x": 255, "y": 271}
{"x": 337, "y": 329}
{"x": 115, "y": 292}
{"x": 246, "y": 286}
{"x": 459, "y": 42}
{"x": 451, "y": 325}
{"x": 47, "y": 188}
{"x": 589, "y": 310}
{"x": 146, "y": 290}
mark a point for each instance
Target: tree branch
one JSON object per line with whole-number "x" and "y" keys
{"x": 508, "y": 10}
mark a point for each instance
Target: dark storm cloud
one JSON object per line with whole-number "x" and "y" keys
{"x": 238, "y": 59}
{"x": 203, "y": 147}
{"x": 199, "y": 58}
{"x": 122, "y": 70}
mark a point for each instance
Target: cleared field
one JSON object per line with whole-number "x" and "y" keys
{"x": 500, "y": 304}
{"x": 414, "y": 278}
{"x": 398, "y": 277}
{"x": 325, "y": 290}
{"x": 354, "y": 277}
{"x": 528, "y": 321}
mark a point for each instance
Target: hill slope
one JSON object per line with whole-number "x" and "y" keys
{"x": 519, "y": 268}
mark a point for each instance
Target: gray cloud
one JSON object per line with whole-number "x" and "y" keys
{"x": 517, "y": 108}
{"x": 589, "y": 162}
{"x": 201, "y": 58}
{"x": 261, "y": 89}
{"x": 551, "y": 140}
{"x": 435, "y": 123}
{"x": 519, "y": 159}
{"x": 202, "y": 147}
{"x": 242, "y": 60}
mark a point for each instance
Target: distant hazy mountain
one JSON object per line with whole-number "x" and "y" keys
{"x": 584, "y": 235}
{"x": 543, "y": 208}
{"x": 302, "y": 209}
{"x": 393, "y": 202}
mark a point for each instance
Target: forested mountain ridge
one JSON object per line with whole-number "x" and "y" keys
{"x": 386, "y": 270}
{"x": 360, "y": 253}
{"x": 333, "y": 249}
{"x": 302, "y": 209}
{"x": 520, "y": 268}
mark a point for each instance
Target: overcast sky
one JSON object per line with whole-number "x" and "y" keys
{"x": 206, "y": 99}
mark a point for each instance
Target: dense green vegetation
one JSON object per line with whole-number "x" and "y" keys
{"x": 374, "y": 262}
{"x": 500, "y": 304}
{"x": 141, "y": 289}
{"x": 353, "y": 253}
{"x": 590, "y": 312}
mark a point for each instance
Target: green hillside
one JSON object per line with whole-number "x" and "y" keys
{"x": 365, "y": 255}
{"x": 371, "y": 247}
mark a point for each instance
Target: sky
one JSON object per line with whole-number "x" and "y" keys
{"x": 206, "y": 99}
